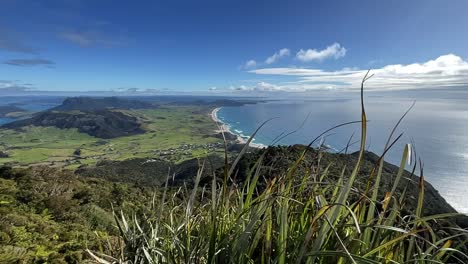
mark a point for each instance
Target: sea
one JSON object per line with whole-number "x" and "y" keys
{"x": 437, "y": 128}
{"x": 29, "y": 103}
{"x": 4, "y": 120}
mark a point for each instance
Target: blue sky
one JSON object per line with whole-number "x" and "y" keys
{"x": 267, "y": 46}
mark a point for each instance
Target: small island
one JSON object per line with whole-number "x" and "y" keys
{"x": 11, "y": 111}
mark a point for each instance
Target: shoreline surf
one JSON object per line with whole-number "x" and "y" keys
{"x": 225, "y": 128}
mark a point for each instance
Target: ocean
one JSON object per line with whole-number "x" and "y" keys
{"x": 438, "y": 129}
{"x": 4, "y": 120}
{"x": 29, "y": 103}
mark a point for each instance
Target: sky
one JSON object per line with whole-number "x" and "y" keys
{"x": 228, "y": 46}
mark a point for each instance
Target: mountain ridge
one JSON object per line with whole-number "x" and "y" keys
{"x": 83, "y": 103}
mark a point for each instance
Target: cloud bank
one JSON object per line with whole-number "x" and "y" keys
{"x": 259, "y": 87}
{"x": 445, "y": 71}
{"x": 335, "y": 51}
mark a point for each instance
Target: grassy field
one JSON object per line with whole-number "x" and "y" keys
{"x": 168, "y": 129}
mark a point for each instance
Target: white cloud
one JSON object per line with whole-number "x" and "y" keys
{"x": 135, "y": 90}
{"x": 258, "y": 87}
{"x": 240, "y": 88}
{"x": 14, "y": 87}
{"x": 250, "y": 64}
{"x": 243, "y": 88}
{"x": 287, "y": 71}
{"x": 266, "y": 87}
{"x": 335, "y": 51}
{"x": 278, "y": 55}
{"x": 445, "y": 71}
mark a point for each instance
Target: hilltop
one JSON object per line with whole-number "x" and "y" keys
{"x": 97, "y": 117}
{"x": 95, "y": 104}
{"x": 100, "y": 123}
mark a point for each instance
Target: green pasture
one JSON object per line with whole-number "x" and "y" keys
{"x": 167, "y": 128}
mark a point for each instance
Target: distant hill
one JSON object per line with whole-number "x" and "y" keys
{"x": 7, "y": 109}
{"x": 93, "y": 104}
{"x": 89, "y": 115}
{"x": 100, "y": 123}
{"x": 215, "y": 103}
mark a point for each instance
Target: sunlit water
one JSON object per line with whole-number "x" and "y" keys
{"x": 439, "y": 128}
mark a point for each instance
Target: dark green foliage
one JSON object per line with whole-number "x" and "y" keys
{"x": 77, "y": 152}
{"x": 50, "y": 215}
{"x": 149, "y": 172}
{"x": 4, "y": 154}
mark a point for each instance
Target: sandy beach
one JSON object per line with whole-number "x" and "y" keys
{"x": 223, "y": 128}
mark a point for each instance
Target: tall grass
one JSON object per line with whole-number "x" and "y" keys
{"x": 295, "y": 217}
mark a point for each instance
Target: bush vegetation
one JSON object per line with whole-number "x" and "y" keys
{"x": 53, "y": 216}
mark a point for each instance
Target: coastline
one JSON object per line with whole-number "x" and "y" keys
{"x": 224, "y": 128}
